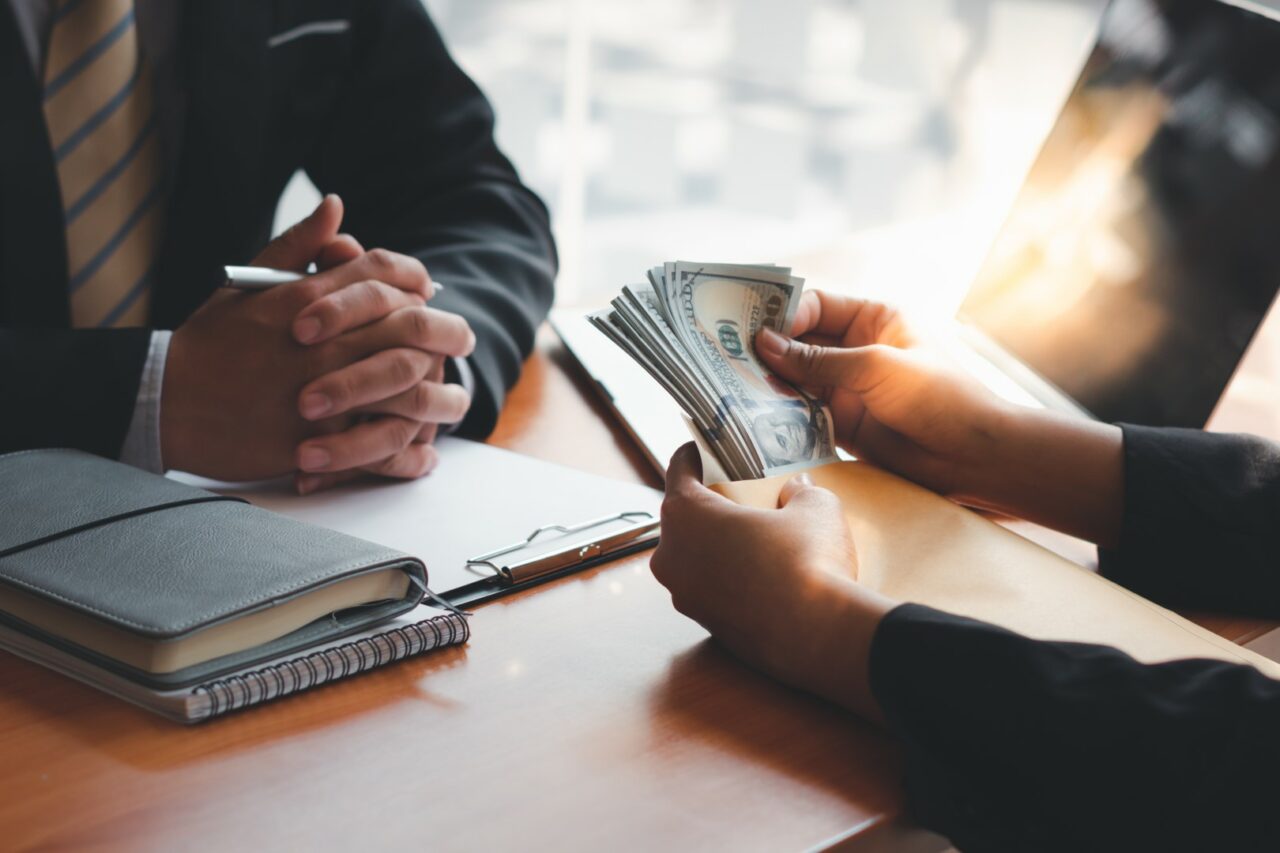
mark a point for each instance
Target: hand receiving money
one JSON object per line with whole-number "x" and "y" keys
{"x": 692, "y": 328}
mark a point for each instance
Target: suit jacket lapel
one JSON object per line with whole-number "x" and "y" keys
{"x": 33, "y": 255}
{"x": 220, "y": 153}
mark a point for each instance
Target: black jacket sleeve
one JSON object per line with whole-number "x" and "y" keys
{"x": 63, "y": 388}
{"x": 1014, "y": 744}
{"x": 1201, "y": 521}
{"x": 411, "y": 152}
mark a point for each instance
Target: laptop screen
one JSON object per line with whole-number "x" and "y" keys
{"x": 1143, "y": 250}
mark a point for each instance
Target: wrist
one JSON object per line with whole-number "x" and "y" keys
{"x": 852, "y": 619}
{"x": 1056, "y": 469}
{"x": 997, "y": 439}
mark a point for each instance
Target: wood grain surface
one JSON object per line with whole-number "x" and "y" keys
{"x": 583, "y": 715}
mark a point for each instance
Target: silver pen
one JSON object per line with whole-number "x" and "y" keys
{"x": 263, "y": 278}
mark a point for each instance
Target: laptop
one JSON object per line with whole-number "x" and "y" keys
{"x": 1141, "y": 253}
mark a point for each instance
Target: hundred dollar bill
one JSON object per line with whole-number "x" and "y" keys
{"x": 693, "y": 330}
{"x": 720, "y": 308}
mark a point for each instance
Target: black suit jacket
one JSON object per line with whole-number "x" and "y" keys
{"x": 1020, "y": 745}
{"x": 379, "y": 114}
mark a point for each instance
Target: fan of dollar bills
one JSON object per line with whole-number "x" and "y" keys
{"x": 693, "y": 329}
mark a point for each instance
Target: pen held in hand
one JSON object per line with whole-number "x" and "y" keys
{"x": 264, "y": 278}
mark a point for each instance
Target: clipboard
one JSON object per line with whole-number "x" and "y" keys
{"x": 487, "y": 522}
{"x": 554, "y": 551}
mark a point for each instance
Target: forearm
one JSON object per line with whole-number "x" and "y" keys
{"x": 1018, "y": 744}
{"x": 1058, "y": 470}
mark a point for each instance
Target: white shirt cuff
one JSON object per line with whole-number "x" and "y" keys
{"x": 142, "y": 442}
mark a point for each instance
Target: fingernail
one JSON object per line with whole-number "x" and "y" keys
{"x": 313, "y": 459}
{"x": 770, "y": 342}
{"x": 306, "y": 484}
{"x": 803, "y": 479}
{"x": 315, "y": 404}
{"x": 307, "y": 329}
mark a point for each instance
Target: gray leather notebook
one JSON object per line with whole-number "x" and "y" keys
{"x": 120, "y": 577}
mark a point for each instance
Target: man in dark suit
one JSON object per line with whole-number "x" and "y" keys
{"x": 147, "y": 143}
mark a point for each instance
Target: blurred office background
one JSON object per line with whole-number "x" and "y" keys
{"x": 874, "y": 145}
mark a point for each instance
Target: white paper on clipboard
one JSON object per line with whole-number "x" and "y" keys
{"x": 478, "y": 499}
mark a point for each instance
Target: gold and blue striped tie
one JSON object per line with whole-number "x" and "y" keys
{"x": 98, "y": 107}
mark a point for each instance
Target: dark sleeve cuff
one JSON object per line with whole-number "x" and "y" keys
{"x": 1019, "y": 744}
{"x": 1201, "y": 524}
{"x": 69, "y": 387}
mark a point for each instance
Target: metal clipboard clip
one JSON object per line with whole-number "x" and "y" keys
{"x": 642, "y": 527}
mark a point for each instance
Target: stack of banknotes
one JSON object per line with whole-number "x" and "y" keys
{"x": 693, "y": 328}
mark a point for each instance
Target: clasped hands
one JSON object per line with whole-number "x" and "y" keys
{"x": 339, "y": 374}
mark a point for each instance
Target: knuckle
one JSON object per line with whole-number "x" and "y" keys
{"x": 416, "y": 273}
{"x": 403, "y": 432}
{"x": 670, "y": 510}
{"x": 374, "y": 294}
{"x": 340, "y": 389}
{"x": 658, "y": 564}
{"x": 814, "y": 496}
{"x": 877, "y": 354}
{"x": 423, "y": 463}
{"x": 420, "y": 324}
{"x": 309, "y": 290}
{"x": 328, "y": 310}
{"x": 809, "y": 357}
{"x": 402, "y": 369}
{"x": 420, "y": 401}
{"x": 460, "y": 403}
{"x": 885, "y": 313}
{"x": 429, "y": 459}
{"x": 381, "y": 260}
{"x": 383, "y": 467}
{"x": 462, "y": 330}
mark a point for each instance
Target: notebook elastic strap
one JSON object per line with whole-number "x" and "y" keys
{"x": 111, "y": 519}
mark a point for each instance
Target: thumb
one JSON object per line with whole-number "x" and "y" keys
{"x": 801, "y": 494}
{"x": 684, "y": 471}
{"x": 855, "y": 368}
{"x": 303, "y": 243}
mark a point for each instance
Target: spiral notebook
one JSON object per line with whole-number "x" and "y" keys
{"x": 190, "y": 603}
{"x": 420, "y": 630}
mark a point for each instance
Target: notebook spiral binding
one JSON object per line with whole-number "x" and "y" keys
{"x": 282, "y": 679}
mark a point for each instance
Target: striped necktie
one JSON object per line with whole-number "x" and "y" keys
{"x": 98, "y": 107}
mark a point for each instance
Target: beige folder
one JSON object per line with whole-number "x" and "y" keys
{"x": 916, "y": 546}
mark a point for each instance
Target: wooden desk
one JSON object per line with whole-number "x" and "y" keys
{"x": 584, "y": 714}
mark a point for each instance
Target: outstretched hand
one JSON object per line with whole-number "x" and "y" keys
{"x": 775, "y": 587}
{"x": 897, "y": 406}
{"x": 890, "y": 402}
